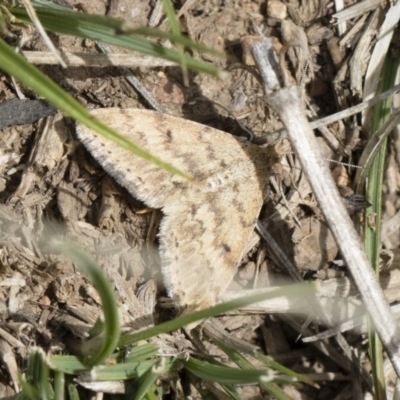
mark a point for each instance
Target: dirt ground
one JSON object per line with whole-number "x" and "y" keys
{"x": 47, "y": 176}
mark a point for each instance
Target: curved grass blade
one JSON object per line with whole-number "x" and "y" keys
{"x": 105, "y": 29}
{"x": 109, "y": 305}
{"x": 15, "y": 65}
{"x": 372, "y": 234}
{"x": 120, "y": 27}
{"x": 305, "y": 289}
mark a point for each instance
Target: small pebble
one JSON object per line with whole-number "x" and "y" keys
{"x": 276, "y": 9}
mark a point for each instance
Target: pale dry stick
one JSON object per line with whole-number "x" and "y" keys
{"x": 285, "y": 103}
{"x": 326, "y": 318}
{"x": 332, "y": 141}
{"x": 13, "y": 341}
{"x": 97, "y": 60}
{"x": 156, "y": 14}
{"x": 325, "y": 348}
{"x": 351, "y": 33}
{"x": 8, "y": 358}
{"x": 185, "y": 8}
{"x": 320, "y": 312}
{"x": 32, "y": 15}
{"x": 396, "y": 394}
{"x": 100, "y": 387}
{"x": 298, "y": 305}
{"x": 360, "y": 323}
{"x": 361, "y": 52}
{"x": 342, "y": 26}
{"x": 274, "y": 136}
{"x": 355, "y": 109}
{"x": 356, "y": 10}
{"x": 290, "y": 267}
{"x": 280, "y": 305}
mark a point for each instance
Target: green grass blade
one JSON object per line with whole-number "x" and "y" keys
{"x": 36, "y": 384}
{"x": 232, "y": 392}
{"x": 72, "y": 365}
{"x": 173, "y": 21}
{"x": 142, "y": 352}
{"x": 73, "y": 392}
{"x": 109, "y": 305}
{"x": 170, "y": 13}
{"x": 15, "y": 65}
{"x": 115, "y": 25}
{"x": 225, "y": 375}
{"x": 46, "y": 4}
{"x": 169, "y": 326}
{"x": 124, "y": 371}
{"x": 3, "y": 24}
{"x": 282, "y": 369}
{"x": 151, "y": 394}
{"x": 372, "y": 236}
{"x": 29, "y": 392}
{"x": 381, "y": 115}
{"x": 105, "y": 29}
{"x": 146, "y": 382}
{"x": 271, "y": 387}
{"x": 59, "y": 385}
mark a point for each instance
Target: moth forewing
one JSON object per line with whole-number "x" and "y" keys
{"x": 206, "y": 226}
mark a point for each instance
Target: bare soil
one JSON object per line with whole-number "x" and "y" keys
{"x": 48, "y": 178}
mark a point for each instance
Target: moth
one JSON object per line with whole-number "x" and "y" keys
{"x": 208, "y": 221}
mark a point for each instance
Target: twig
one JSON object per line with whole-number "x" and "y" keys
{"x": 286, "y": 104}
{"x": 135, "y": 83}
{"x": 356, "y": 10}
{"x": 274, "y": 136}
{"x": 290, "y": 267}
{"x": 97, "y": 60}
{"x": 35, "y": 20}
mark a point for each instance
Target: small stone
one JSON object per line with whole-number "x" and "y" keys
{"x": 45, "y": 302}
{"x": 276, "y": 9}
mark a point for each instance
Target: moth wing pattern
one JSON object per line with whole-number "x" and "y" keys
{"x": 207, "y": 222}
{"x": 202, "y": 242}
{"x": 172, "y": 139}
